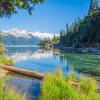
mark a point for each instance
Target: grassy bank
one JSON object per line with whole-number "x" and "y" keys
{"x": 11, "y": 93}
{"x": 57, "y": 87}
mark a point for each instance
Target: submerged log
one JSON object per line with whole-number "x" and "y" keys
{"x": 28, "y": 73}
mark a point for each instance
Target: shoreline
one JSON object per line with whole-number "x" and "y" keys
{"x": 88, "y": 50}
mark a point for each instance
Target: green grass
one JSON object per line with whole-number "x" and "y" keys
{"x": 1, "y": 48}
{"x": 10, "y": 94}
{"x": 5, "y": 60}
{"x": 57, "y": 87}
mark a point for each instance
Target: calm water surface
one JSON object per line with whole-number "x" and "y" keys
{"x": 36, "y": 59}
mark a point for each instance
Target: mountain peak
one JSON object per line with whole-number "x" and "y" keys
{"x": 23, "y": 33}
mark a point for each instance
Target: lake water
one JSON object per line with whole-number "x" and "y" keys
{"x": 36, "y": 59}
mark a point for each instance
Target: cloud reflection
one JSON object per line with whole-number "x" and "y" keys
{"x": 20, "y": 56}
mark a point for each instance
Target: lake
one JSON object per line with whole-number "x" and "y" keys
{"x": 41, "y": 60}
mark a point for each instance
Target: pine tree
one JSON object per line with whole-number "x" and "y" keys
{"x": 62, "y": 33}
{"x": 93, "y": 7}
{"x": 96, "y": 4}
{"x": 67, "y": 28}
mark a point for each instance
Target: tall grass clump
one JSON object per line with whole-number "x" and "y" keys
{"x": 1, "y": 48}
{"x": 10, "y": 94}
{"x": 57, "y": 87}
{"x": 5, "y": 60}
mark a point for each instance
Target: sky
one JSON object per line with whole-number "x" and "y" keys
{"x": 50, "y": 17}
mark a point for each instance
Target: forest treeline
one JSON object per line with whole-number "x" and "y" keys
{"x": 83, "y": 32}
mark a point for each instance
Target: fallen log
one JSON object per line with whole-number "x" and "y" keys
{"x": 29, "y": 73}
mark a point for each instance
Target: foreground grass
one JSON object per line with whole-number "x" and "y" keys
{"x": 10, "y": 94}
{"x": 4, "y": 60}
{"x": 56, "y": 87}
{"x": 1, "y": 48}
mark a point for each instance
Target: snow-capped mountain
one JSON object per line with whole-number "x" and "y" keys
{"x": 23, "y": 33}
{"x": 22, "y": 37}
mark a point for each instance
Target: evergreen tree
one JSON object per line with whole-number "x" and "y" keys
{"x": 96, "y": 4}
{"x": 67, "y": 28}
{"x": 74, "y": 26}
{"x": 93, "y": 7}
{"x": 61, "y": 33}
{"x": 83, "y": 32}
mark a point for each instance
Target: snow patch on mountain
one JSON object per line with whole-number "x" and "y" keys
{"x": 23, "y": 33}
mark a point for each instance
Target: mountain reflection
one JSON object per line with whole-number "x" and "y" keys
{"x": 35, "y": 58}
{"x": 24, "y": 55}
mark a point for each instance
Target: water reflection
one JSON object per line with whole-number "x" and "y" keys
{"x": 30, "y": 55}
{"x": 29, "y": 87}
{"x": 36, "y": 59}
{"x": 85, "y": 63}
{"x": 33, "y": 59}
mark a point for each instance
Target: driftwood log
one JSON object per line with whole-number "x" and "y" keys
{"x": 27, "y": 73}
{"x": 30, "y": 74}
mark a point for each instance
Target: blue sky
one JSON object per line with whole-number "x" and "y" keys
{"x": 51, "y": 16}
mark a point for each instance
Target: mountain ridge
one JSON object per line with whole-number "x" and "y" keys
{"x": 17, "y": 36}
{"x": 23, "y": 33}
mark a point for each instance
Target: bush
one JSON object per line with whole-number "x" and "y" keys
{"x": 55, "y": 87}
